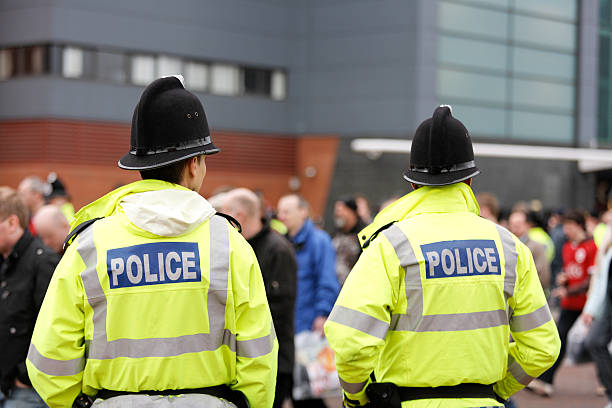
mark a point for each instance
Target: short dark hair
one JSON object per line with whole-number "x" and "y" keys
{"x": 575, "y": 216}
{"x": 172, "y": 173}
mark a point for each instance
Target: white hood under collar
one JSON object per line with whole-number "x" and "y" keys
{"x": 167, "y": 213}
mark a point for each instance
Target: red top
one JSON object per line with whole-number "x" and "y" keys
{"x": 578, "y": 259}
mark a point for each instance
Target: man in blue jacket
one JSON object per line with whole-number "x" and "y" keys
{"x": 317, "y": 285}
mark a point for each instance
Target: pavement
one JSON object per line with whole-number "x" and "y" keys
{"x": 575, "y": 386}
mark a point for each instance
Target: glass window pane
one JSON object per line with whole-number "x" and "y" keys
{"x": 196, "y": 76}
{"x": 556, "y": 8}
{"x": 481, "y": 122}
{"x": 257, "y": 81}
{"x": 604, "y": 13}
{"x": 603, "y": 116}
{"x": 6, "y": 63}
{"x": 542, "y": 127}
{"x": 545, "y": 32}
{"x": 111, "y": 67}
{"x": 36, "y": 60}
{"x": 279, "y": 85}
{"x": 143, "y": 69}
{"x": 468, "y": 86}
{"x": 472, "y": 20}
{"x": 168, "y": 66}
{"x": 463, "y": 52}
{"x": 543, "y": 94}
{"x": 225, "y": 79}
{"x": 546, "y": 63}
{"x": 72, "y": 62}
{"x": 604, "y": 57}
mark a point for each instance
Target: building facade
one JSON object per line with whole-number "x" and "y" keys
{"x": 289, "y": 85}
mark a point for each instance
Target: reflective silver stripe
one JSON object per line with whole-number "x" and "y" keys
{"x": 412, "y": 281}
{"x": 352, "y": 388}
{"x": 359, "y": 321}
{"x": 510, "y": 260}
{"x": 463, "y": 321}
{"x": 517, "y": 371}
{"x": 256, "y": 347}
{"x": 51, "y": 366}
{"x": 100, "y": 348}
{"x": 414, "y": 320}
{"x": 531, "y": 320}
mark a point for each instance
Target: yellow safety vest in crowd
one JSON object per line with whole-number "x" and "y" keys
{"x": 160, "y": 295}
{"x": 433, "y": 300}
{"x": 537, "y": 234}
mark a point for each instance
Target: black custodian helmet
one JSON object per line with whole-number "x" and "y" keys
{"x": 168, "y": 125}
{"x": 441, "y": 151}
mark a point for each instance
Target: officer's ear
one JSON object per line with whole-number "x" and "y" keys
{"x": 468, "y": 181}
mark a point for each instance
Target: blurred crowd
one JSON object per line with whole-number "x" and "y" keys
{"x": 304, "y": 264}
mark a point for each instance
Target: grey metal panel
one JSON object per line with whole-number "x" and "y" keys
{"x": 386, "y": 116}
{"x": 75, "y": 99}
{"x": 241, "y": 31}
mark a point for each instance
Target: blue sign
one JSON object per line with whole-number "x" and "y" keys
{"x": 153, "y": 264}
{"x": 461, "y": 258}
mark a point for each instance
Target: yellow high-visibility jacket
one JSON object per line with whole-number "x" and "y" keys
{"x": 433, "y": 299}
{"x": 161, "y": 294}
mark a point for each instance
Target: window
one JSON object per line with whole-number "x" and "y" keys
{"x": 224, "y": 79}
{"x": 544, "y": 63}
{"x": 121, "y": 67}
{"x": 470, "y": 86}
{"x": 196, "y": 76}
{"x": 6, "y": 64}
{"x": 257, "y": 81}
{"x": 143, "y": 69}
{"x": 539, "y": 31}
{"x": 167, "y": 66}
{"x": 279, "y": 85}
{"x": 36, "y": 61}
{"x": 111, "y": 67}
{"x": 469, "y": 53}
{"x": 72, "y": 62}
{"x": 542, "y": 127}
{"x": 473, "y": 20}
{"x": 565, "y": 9}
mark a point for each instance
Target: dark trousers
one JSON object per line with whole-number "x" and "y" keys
{"x": 596, "y": 342}
{"x": 310, "y": 403}
{"x": 284, "y": 385}
{"x": 566, "y": 320}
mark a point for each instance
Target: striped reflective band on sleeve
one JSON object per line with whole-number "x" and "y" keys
{"x": 531, "y": 320}
{"x": 256, "y": 347}
{"x": 359, "y": 321}
{"x": 510, "y": 260}
{"x": 517, "y": 371}
{"x": 352, "y": 388}
{"x": 52, "y": 366}
{"x": 100, "y": 348}
{"x": 414, "y": 319}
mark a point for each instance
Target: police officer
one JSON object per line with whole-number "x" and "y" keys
{"x": 427, "y": 311}
{"x": 158, "y": 300}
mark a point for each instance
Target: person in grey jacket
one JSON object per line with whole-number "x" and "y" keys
{"x": 597, "y": 316}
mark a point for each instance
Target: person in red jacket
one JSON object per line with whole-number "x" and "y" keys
{"x": 579, "y": 254}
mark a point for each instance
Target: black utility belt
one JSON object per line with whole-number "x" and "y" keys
{"x": 219, "y": 391}
{"x": 389, "y": 395}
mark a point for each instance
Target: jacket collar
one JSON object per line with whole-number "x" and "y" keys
{"x": 456, "y": 197}
{"x": 263, "y": 231}
{"x": 303, "y": 233}
{"x": 107, "y": 204}
{"x": 21, "y": 245}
